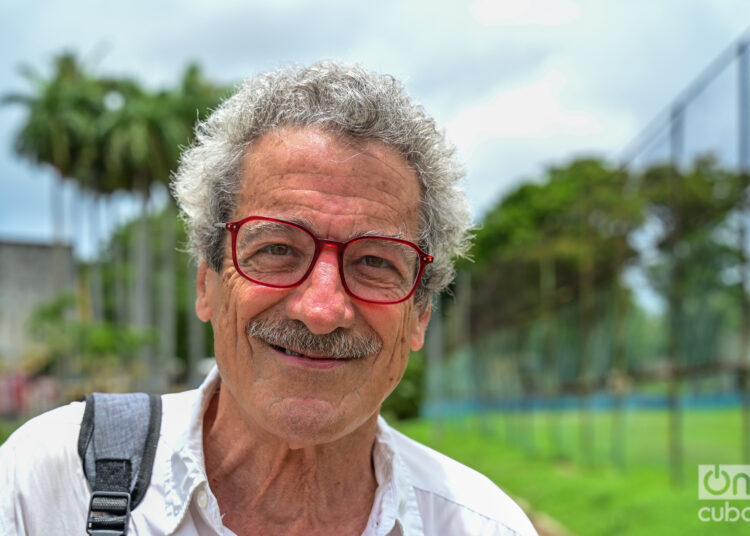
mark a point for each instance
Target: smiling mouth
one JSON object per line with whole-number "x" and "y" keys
{"x": 294, "y": 341}
{"x": 292, "y": 353}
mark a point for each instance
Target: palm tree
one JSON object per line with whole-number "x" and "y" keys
{"x": 141, "y": 139}
{"x": 58, "y": 131}
{"x": 111, "y": 135}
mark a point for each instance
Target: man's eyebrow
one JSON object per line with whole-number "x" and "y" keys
{"x": 307, "y": 224}
{"x": 399, "y": 235}
{"x": 301, "y": 221}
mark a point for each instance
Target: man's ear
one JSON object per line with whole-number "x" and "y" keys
{"x": 419, "y": 326}
{"x": 204, "y": 293}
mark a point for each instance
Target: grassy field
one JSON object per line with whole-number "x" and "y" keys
{"x": 6, "y": 428}
{"x": 538, "y": 459}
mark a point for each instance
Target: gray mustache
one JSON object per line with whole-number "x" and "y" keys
{"x": 294, "y": 335}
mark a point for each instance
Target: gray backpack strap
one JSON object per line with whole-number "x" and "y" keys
{"x": 117, "y": 445}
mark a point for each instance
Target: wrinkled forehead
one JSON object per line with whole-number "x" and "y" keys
{"x": 304, "y": 172}
{"x": 294, "y": 146}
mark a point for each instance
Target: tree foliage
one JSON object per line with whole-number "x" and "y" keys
{"x": 577, "y": 218}
{"x": 91, "y": 352}
{"x": 110, "y": 134}
{"x": 551, "y": 258}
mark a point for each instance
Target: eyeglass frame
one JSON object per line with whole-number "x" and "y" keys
{"x": 234, "y": 227}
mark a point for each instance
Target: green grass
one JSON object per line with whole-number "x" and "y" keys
{"x": 7, "y": 427}
{"x": 539, "y": 459}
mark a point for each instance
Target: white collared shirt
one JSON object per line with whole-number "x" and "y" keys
{"x": 420, "y": 491}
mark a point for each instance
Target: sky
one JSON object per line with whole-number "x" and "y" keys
{"x": 518, "y": 85}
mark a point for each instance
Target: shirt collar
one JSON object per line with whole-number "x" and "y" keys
{"x": 186, "y": 466}
{"x": 395, "y": 501}
{"x": 395, "y": 505}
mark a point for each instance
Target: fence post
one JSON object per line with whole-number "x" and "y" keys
{"x": 743, "y": 107}
{"x": 434, "y": 351}
{"x": 676, "y": 142}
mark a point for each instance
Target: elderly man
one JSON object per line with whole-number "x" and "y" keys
{"x": 323, "y": 209}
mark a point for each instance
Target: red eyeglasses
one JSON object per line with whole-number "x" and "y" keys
{"x": 281, "y": 254}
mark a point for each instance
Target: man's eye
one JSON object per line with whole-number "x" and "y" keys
{"x": 372, "y": 261}
{"x": 277, "y": 249}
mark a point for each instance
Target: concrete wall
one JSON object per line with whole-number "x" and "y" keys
{"x": 29, "y": 274}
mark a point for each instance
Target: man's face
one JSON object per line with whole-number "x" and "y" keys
{"x": 340, "y": 190}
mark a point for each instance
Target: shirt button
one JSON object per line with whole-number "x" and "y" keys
{"x": 202, "y": 499}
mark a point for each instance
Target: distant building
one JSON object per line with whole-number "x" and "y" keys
{"x": 30, "y": 274}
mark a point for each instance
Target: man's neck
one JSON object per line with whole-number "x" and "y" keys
{"x": 264, "y": 486}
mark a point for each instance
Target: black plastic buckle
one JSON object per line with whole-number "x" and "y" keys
{"x": 109, "y": 513}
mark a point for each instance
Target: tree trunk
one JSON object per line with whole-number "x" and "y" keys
{"x": 83, "y": 298}
{"x": 434, "y": 350}
{"x": 547, "y": 285}
{"x": 675, "y": 300}
{"x": 120, "y": 276}
{"x": 58, "y": 222}
{"x": 477, "y": 357}
{"x": 585, "y": 368}
{"x": 141, "y": 307}
{"x": 618, "y": 386}
{"x": 96, "y": 288}
{"x": 59, "y": 279}
{"x": 675, "y": 383}
{"x": 167, "y": 300}
{"x": 743, "y": 105}
{"x": 744, "y": 358}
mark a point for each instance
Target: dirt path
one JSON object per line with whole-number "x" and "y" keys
{"x": 546, "y": 526}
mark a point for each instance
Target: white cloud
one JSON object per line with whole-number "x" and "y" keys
{"x": 531, "y": 111}
{"x": 525, "y": 12}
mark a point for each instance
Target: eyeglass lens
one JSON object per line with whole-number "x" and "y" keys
{"x": 278, "y": 254}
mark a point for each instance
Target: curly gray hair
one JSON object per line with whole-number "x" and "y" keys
{"x": 342, "y": 99}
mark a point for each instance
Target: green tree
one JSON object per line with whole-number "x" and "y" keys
{"x": 95, "y": 355}
{"x": 111, "y": 134}
{"x": 547, "y": 247}
{"x": 141, "y": 137}
{"x": 689, "y": 206}
{"x": 117, "y": 267}
{"x": 548, "y": 243}
{"x": 59, "y": 127}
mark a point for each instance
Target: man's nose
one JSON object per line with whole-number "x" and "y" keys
{"x": 321, "y": 301}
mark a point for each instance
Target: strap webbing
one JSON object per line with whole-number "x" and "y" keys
{"x": 117, "y": 445}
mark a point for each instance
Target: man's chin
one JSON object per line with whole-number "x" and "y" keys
{"x": 304, "y": 421}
